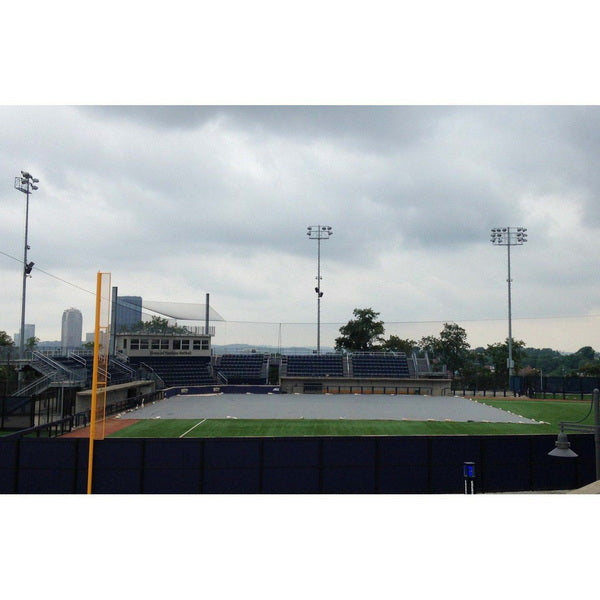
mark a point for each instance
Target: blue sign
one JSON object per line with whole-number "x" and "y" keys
{"x": 469, "y": 470}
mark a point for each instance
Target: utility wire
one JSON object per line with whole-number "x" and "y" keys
{"x": 423, "y": 322}
{"x": 20, "y": 260}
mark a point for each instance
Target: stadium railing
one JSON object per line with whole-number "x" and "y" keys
{"x": 82, "y": 419}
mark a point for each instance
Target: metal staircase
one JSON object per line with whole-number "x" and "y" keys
{"x": 54, "y": 374}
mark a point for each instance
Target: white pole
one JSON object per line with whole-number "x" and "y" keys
{"x": 22, "y": 337}
{"x": 510, "y": 344}
{"x": 319, "y": 294}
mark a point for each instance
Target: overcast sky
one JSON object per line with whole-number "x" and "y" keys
{"x": 176, "y": 202}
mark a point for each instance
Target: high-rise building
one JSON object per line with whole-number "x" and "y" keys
{"x": 72, "y": 327}
{"x": 29, "y": 333}
{"x": 128, "y": 313}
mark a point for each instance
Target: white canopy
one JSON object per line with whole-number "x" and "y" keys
{"x": 182, "y": 310}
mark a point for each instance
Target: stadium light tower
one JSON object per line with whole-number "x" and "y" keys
{"x": 509, "y": 236}
{"x": 26, "y": 184}
{"x": 319, "y": 232}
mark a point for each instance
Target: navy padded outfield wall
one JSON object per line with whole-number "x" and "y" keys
{"x": 306, "y": 465}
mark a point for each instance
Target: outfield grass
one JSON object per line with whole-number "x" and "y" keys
{"x": 551, "y": 412}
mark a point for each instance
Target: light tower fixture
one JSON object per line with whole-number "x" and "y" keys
{"x": 509, "y": 236}
{"x": 319, "y": 232}
{"x": 26, "y": 184}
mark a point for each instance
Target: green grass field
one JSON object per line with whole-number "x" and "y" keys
{"x": 551, "y": 412}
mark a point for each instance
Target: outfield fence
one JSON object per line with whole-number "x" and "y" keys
{"x": 300, "y": 465}
{"x": 493, "y": 393}
{"x": 504, "y": 393}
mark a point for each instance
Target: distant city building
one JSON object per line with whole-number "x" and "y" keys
{"x": 72, "y": 327}
{"x": 29, "y": 333}
{"x": 128, "y": 313}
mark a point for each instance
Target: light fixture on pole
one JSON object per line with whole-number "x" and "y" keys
{"x": 563, "y": 447}
{"x": 509, "y": 236}
{"x": 319, "y": 232}
{"x": 26, "y": 184}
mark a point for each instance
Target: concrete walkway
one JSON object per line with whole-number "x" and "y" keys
{"x": 592, "y": 488}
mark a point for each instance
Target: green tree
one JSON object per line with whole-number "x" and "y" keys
{"x": 545, "y": 360}
{"x": 396, "y": 344}
{"x": 476, "y": 371}
{"x": 157, "y": 325}
{"x": 7, "y": 373}
{"x": 365, "y": 332}
{"x": 591, "y": 369}
{"x": 31, "y": 343}
{"x": 586, "y": 353}
{"x": 574, "y": 362}
{"x": 5, "y": 339}
{"x": 498, "y": 357}
{"x": 451, "y": 347}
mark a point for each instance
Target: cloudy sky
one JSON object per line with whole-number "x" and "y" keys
{"x": 179, "y": 201}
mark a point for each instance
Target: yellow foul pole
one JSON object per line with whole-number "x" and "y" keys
{"x": 94, "y": 404}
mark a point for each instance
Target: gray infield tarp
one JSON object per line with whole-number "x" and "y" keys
{"x": 316, "y": 406}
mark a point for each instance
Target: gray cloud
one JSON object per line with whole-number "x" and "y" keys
{"x": 180, "y": 200}
{"x": 379, "y": 130}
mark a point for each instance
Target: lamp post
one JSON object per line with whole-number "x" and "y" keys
{"x": 26, "y": 184}
{"x": 563, "y": 447}
{"x": 509, "y": 236}
{"x": 319, "y": 232}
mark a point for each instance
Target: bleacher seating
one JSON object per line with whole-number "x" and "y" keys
{"x": 244, "y": 368}
{"x": 78, "y": 369}
{"x": 119, "y": 372}
{"x": 314, "y": 365}
{"x": 82, "y": 369}
{"x": 380, "y": 365}
{"x": 178, "y": 370}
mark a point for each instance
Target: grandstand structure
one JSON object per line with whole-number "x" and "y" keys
{"x": 243, "y": 369}
{"x": 360, "y": 372}
{"x": 143, "y": 361}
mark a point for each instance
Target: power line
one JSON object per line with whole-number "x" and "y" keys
{"x": 423, "y": 322}
{"x": 419, "y": 322}
{"x": 51, "y": 275}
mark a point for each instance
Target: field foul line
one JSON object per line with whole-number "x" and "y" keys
{"x": 192, "y": 428}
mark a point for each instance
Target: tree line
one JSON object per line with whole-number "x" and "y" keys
{"x": 484, "y": 366}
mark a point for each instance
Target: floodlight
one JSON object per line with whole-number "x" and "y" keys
{"x": 26, "y": 184}
{"x": 509, "y": 236}
{"x": 319, "y": 232}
